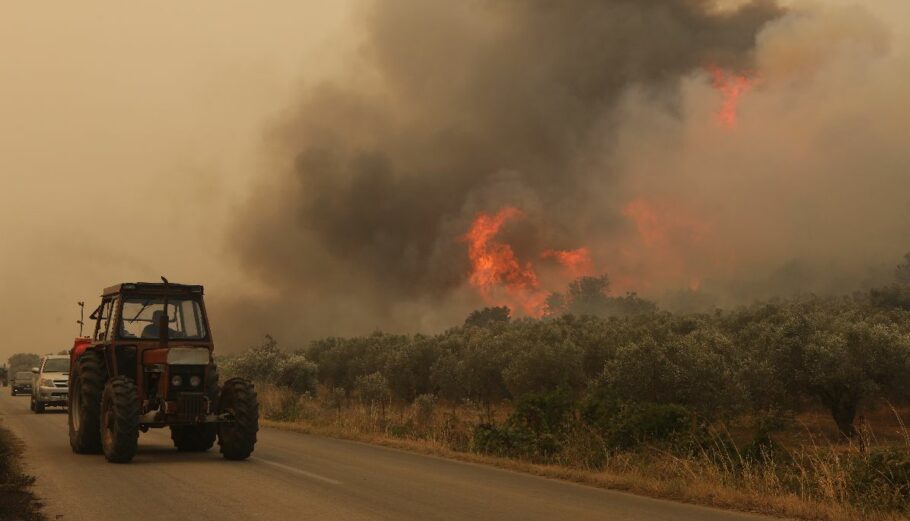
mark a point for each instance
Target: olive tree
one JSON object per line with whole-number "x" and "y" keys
{"x": 699, "y": 369}
{"x": 298, "y": 374}
{"x": 488, "y": 316}
{"x": 841, "y": 352}
{"x": 260, "y": 363}
{"x": 408, "y": 366}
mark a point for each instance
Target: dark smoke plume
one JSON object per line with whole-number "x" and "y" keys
{"x": 454, "y": 108}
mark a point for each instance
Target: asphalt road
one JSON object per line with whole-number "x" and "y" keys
{"x": 300, "y": 477}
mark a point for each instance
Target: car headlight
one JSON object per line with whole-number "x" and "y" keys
{"x": 176, "y": 380}
{"x": 195, "y": 381}
{"x": 46, "y": 382}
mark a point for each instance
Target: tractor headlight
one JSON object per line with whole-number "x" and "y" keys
{"x": 176, "y": 380}
{"x": 195, "y": 381}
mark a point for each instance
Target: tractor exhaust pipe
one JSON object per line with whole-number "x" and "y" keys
{"x": 164, "y": 321}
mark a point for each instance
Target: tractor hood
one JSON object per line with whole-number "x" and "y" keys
{"x": 177, "y": 355}
{"x": 188, "y": 356}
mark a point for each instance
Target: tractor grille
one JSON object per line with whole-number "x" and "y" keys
{"x": 190, "y": 406}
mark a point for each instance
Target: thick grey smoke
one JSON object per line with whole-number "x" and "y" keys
{"x": 455, "y": 108}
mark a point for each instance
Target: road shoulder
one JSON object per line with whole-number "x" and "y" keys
{"x": 17, "y": 500}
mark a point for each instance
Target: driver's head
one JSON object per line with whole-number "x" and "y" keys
{"x": 157, "y": 316}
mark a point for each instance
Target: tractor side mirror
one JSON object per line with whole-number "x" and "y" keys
{"x": 35, "y": 370}
{"x": 163, "y": 329}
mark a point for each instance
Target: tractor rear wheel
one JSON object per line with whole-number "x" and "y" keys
{"x": 84, "y": 408}
{"x": 237, "y": 437}
{"x": 194, "y": 438}
{"x": 120, "y": 420}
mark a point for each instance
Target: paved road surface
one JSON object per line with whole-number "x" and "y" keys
{"x": 294, "y": 476}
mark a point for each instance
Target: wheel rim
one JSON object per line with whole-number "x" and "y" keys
{"x": 228, "y": 430}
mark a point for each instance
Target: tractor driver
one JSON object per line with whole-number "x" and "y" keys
{"x": 151, "y": 330}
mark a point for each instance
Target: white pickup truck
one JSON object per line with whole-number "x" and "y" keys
{"x": 50, "y": 385}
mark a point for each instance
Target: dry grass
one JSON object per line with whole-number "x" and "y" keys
{"x": 17, "y": 503}
{"x": 812, "y": 484}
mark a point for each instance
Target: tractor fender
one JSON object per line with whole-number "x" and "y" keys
{"x": 79, "y": 346}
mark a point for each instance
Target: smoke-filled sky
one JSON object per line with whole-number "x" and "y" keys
{"x": 317, "y": 166}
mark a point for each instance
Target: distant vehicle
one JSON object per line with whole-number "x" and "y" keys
{"x": 149, "y": 364}
{"x": 51, "y": 383}
{"x": 21, "y": 383}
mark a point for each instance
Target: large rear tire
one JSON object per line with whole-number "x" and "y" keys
{"x": 120, "y": 420}
{"x": 84, "y": 407}
{"x": 237, "y": 438}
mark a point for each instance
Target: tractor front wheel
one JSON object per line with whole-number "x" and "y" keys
{"x": 237, "y": 437}
{"x": 194, "y": 438}
{"x": 120, "y": 420}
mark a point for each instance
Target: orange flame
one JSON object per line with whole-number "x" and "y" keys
{"x": 496, "y": 272}
{"x": 577, "y": 263}
{"x": 731, "y": 87}
{"x": 669, "y": 245}
{"x": 674, "y": 247}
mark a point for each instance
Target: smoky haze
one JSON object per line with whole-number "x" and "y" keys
{"x": 317, "y": 166}
{"x": 456, "y": 108}
{"x": 127, "y": 133}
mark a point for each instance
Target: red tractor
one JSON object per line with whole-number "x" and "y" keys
{"x": 148, "y": 365}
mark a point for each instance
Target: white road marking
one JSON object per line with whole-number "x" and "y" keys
{"x": 297, "y": 471}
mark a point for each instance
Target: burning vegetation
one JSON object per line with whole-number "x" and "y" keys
{"x": 492, "y": 154}
{"x": 475, "y": 119}
{"x": 731, "y": 87}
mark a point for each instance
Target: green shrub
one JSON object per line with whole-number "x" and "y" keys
{"x": 297, "y": 374}
{"x": 881, "y": 480}
{"x": 288, "y": 409}
{"x": 261, "y": 363}
{"x": 626, "y": 425}
{"x": 497, "y": 440}
{"x": 424, "y": 408}
{"x": 541, "y": 422}
{"x": 335, "y": 399}
{"x": 537, "y": 429}
{"x": 373, "y": 388}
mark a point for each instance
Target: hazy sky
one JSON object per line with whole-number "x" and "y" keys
{"x": 127, "y": 133}
{"x": 130, "y": 135}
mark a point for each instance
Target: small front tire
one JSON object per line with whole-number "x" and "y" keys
{"x": 237, "y": 438}
{"x": 194, "y": 438}
{"x": 120, "y": 420}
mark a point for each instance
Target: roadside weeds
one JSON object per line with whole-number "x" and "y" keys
{"x": 17, "y": 502}
{"x": 654, "y": 474}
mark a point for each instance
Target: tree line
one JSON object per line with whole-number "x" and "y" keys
{"x": 769, "y": 358}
